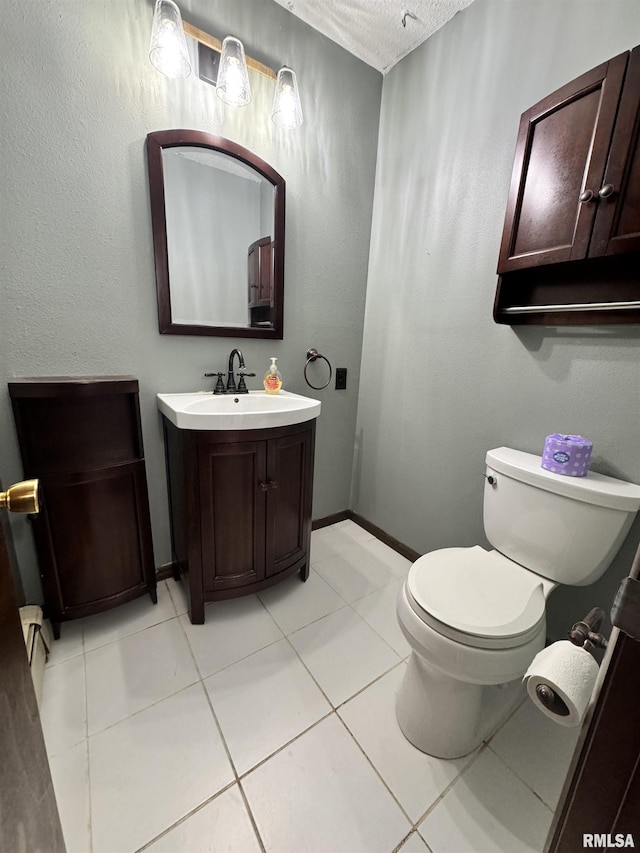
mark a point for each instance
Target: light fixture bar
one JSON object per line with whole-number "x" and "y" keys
{"x": 215, "y": 44}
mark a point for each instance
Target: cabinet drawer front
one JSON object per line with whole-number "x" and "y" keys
{"x": 93, "y": 536}
{"x": 562, "y": 149}
{"x": 232, "y": 513}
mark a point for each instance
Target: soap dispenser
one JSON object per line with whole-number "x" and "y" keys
{"x": 272, "y": 378}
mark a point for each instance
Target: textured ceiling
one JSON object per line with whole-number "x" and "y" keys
{"x": 379, "y": 32}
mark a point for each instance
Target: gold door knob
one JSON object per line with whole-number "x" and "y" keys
{"x": 21, "y": 497}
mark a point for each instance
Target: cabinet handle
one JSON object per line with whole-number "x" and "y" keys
{"x": 273, "y": 484}
{"x": 587, "y": 195}
{"x": 264, "y": 486}
{"x": 606, "y": 191}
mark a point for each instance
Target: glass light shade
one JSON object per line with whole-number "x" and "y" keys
{"x": 233, "y": 78}
{"x": 287, "y": 110}
{"x": 168, "y": 48}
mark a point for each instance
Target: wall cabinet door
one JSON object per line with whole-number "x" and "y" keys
{"x": 559, "y": 171}
{"x": 617, "y": 225}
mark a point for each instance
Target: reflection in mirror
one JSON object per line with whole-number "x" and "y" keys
{"x": 218, "y": 229}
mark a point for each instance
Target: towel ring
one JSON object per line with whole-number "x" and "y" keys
{"x": 314, "y": 355}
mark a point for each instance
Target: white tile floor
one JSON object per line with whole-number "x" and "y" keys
{"x": 272, "y": 728}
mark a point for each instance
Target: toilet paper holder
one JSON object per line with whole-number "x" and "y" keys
{"x": 584, "y": 634}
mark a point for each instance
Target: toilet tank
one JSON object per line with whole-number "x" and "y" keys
{"x": 564, "y": 528}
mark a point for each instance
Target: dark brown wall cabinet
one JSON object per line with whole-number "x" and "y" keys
{"x": 571, "y": 236}
{"x": 240, "y": 508}
{"x": 81, "y": 437}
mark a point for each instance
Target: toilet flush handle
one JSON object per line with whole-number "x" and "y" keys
{"x": 491, "y": 479}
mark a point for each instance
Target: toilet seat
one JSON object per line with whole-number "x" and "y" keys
{"x": 477, "y": 598}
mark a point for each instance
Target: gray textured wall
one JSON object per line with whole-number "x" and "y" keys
{"x": 440, "y": 382}
{"x": 77, "y": 283}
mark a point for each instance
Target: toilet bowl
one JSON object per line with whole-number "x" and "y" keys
{"x": 475, "y": 618}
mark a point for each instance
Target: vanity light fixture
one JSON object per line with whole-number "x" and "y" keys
{"x": 168, "y": 48}
{"x": 169, "y": 54}
{"x": 287, "y": 110}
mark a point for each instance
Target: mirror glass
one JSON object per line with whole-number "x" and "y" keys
{"x": 218, "y": 228}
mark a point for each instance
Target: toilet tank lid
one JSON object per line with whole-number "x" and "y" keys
{"x": 595, "y": 488}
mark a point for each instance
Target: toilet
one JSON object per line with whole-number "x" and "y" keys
{"x": 475, "y": 618}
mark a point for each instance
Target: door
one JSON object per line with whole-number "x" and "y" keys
{"x": 617, "y": 225}
{"x": 560, "y": 159}
{"x": 233, "y": 492}
{"x": 29, "y": 817}
{"x": 602, "y": 793}
{"x": 289, "y": 476}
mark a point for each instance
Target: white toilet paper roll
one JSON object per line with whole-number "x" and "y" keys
{"x": 570, "y": 672}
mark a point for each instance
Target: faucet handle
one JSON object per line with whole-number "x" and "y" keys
{"x": 219, "y": 389}
{"x": 242, "y": 387}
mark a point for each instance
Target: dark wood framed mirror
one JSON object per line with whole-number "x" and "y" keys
{"x": 218, "y": 218}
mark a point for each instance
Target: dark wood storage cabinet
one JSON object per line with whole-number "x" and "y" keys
{"x": 81, "y": 437}
{"x": 572, "y": 226}
{"x": 260, "y": 277}
{"x": 240, "y": 508}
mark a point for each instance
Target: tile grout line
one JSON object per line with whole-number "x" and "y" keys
{"x": 519, "y": 777}
{"x": 254, "y": 823}
{"x": 185, "y": 817}
{"x": 378, "y": 774}
{"x": 271, "y": 755}
{"x": 454, "y": 781}
{"x": 224, "y": 742}
{"x": 209, "y": 702}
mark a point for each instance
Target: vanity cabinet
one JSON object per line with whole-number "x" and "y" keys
{"x": 240, "y": 506}
{"x": 82, "y": 438}
{"x": 574, "y": 201}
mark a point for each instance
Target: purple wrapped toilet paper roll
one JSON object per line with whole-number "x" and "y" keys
{"x": 567, "y": 454}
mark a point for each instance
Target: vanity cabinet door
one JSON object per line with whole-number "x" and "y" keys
{"x": 289, "y": 466}
{"x": 232, "y": 513}
{"x": 561, "y": 154}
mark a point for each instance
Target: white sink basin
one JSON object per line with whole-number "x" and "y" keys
{"x": 255, "y": 410}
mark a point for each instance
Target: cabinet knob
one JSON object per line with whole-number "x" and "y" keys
{"x": 263, "y": 486}
{"x": 606, "y": 191}
{"x": 587, "y": 195}
{"x": 273, "y": 484}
